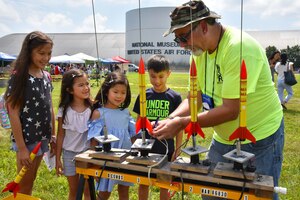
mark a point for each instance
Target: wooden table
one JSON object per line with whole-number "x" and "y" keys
{"x": 203, "y": 184}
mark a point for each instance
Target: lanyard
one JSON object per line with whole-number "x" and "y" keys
{"x": 215, "y": 64}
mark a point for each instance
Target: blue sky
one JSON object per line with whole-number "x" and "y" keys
{"x": 75, "y": 16}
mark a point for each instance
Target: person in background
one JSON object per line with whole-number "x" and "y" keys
{"x": 110, "y": 113}
{"x": 73, "y": 114}
{"x": 57, "y": 70}
{"x": 216, "y": 50}
{"x": 29, "y": 103}
{"x": 161, "y": 101}
{"x": 280, "y": 68}
{"x": 273, "y": 59}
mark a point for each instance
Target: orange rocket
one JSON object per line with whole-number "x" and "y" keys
{"x": 142, "y": 123}
{"x": 193, "y": 127}
{"x": 242, "y": 132}
{"x": 14, "y": 185}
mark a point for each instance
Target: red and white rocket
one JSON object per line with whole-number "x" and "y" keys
{"x": 14, "y": 185}
{"x": 142, "y": 123}
{"x": 242, "y": 132}
{"x": 193, "y": 127}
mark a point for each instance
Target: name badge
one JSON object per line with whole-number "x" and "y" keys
{"x": 207, "y": 102}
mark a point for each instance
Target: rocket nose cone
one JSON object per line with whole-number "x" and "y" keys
{"x": 243, "y": 70}
{"x": 141, "y": 66}
{"x": 193, "y": 70}
{"x": 36, "y": 148}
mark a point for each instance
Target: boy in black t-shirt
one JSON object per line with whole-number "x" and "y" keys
{"x": 161, "y": 101}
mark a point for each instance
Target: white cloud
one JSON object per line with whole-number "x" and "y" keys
{"x": 269, "y": 8}
{"x": 56, "y": 19}
{"x": 8, "y": 12}
{"x": 76, "y": 3}
{"x": 4, "y": 28}
{"x": 51, "y": 22}
{"x": 87, "y": 25}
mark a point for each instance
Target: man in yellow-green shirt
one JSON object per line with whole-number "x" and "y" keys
{"x": 217, "y": 52}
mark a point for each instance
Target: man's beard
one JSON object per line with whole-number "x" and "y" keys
{"x": 195, "y": 51}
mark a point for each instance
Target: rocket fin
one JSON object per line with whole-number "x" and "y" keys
{"x": 199, "y": 130}
{"x": 12, "y": 187}
{"x": 188, "y": 130}
{"x": 149, "y": 126}
{"x": 138, "y": 125}
{"x": 194, "y": 127}
{"x": 242, "y": 133}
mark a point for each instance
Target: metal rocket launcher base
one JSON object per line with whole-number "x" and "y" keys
{"x": 193, "y": 128}
{"x": 14, "y": 185}
{"x": 106, "y": 152}
{"x": 241, "y": 133}
{"x": 106, "y": 140}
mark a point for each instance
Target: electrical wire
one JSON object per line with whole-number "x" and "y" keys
{"x": 140, "y": 28}
{"x": 182, "y": 185}
{"x": 241, "y": 57}
{"x": 241, "y": 46}
{"x": 103, "y": 167}
{"x": 182, "y": 145}
{"x": 156, "y": 164}
{"x": 244, "y": 184}
{"x": 191, "y": 17}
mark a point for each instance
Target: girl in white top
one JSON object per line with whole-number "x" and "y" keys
{"x": 73, "y": 114}
{"x": 280, "y": 68}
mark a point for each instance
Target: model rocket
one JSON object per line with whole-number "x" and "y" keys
{"x": 193, "y": 127}
{"x": 142, "y": 123}
{"x": 14, "y": 185}
{"x": 242, "y": 132}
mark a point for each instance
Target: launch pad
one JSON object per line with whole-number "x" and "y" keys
{"x": 146, "y": 158}
{"x": 242, "y": 157}
{"x": 207, "y": 182}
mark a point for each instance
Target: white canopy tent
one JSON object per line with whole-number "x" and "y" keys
{"x": 66, "y": 59}
{"x": 6, "y": 57}
{"x": 84, "y": 56}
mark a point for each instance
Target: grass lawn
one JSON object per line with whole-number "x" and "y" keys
{"x": 50, "y": 187}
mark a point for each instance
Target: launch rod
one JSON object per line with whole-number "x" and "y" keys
{"x": 105, "y": 132}
{"x": 194, "y": 140}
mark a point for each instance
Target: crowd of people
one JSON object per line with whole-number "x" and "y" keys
{"x": 60, "y": 69}
{"x": 81, "y": 118}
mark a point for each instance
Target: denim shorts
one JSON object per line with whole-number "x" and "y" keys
{"x": 268, "y": 154}
{"x": 69, "y": 162}
{"x": 44, "y": 147}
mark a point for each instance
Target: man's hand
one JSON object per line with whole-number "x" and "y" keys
{"x": 168, "y": 128}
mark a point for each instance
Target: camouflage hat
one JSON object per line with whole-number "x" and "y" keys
{"x": 188, "y": 13}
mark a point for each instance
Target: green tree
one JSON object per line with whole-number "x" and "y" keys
{"x": 270, "y": 50}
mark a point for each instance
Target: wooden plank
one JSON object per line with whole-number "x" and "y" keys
{"x": 183, "y": 164}
{"x": 226, "y": 170}
{"x": 152, "y": 159}
{"x": 166, "y": 178}
{"x": 117, "y": 157}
